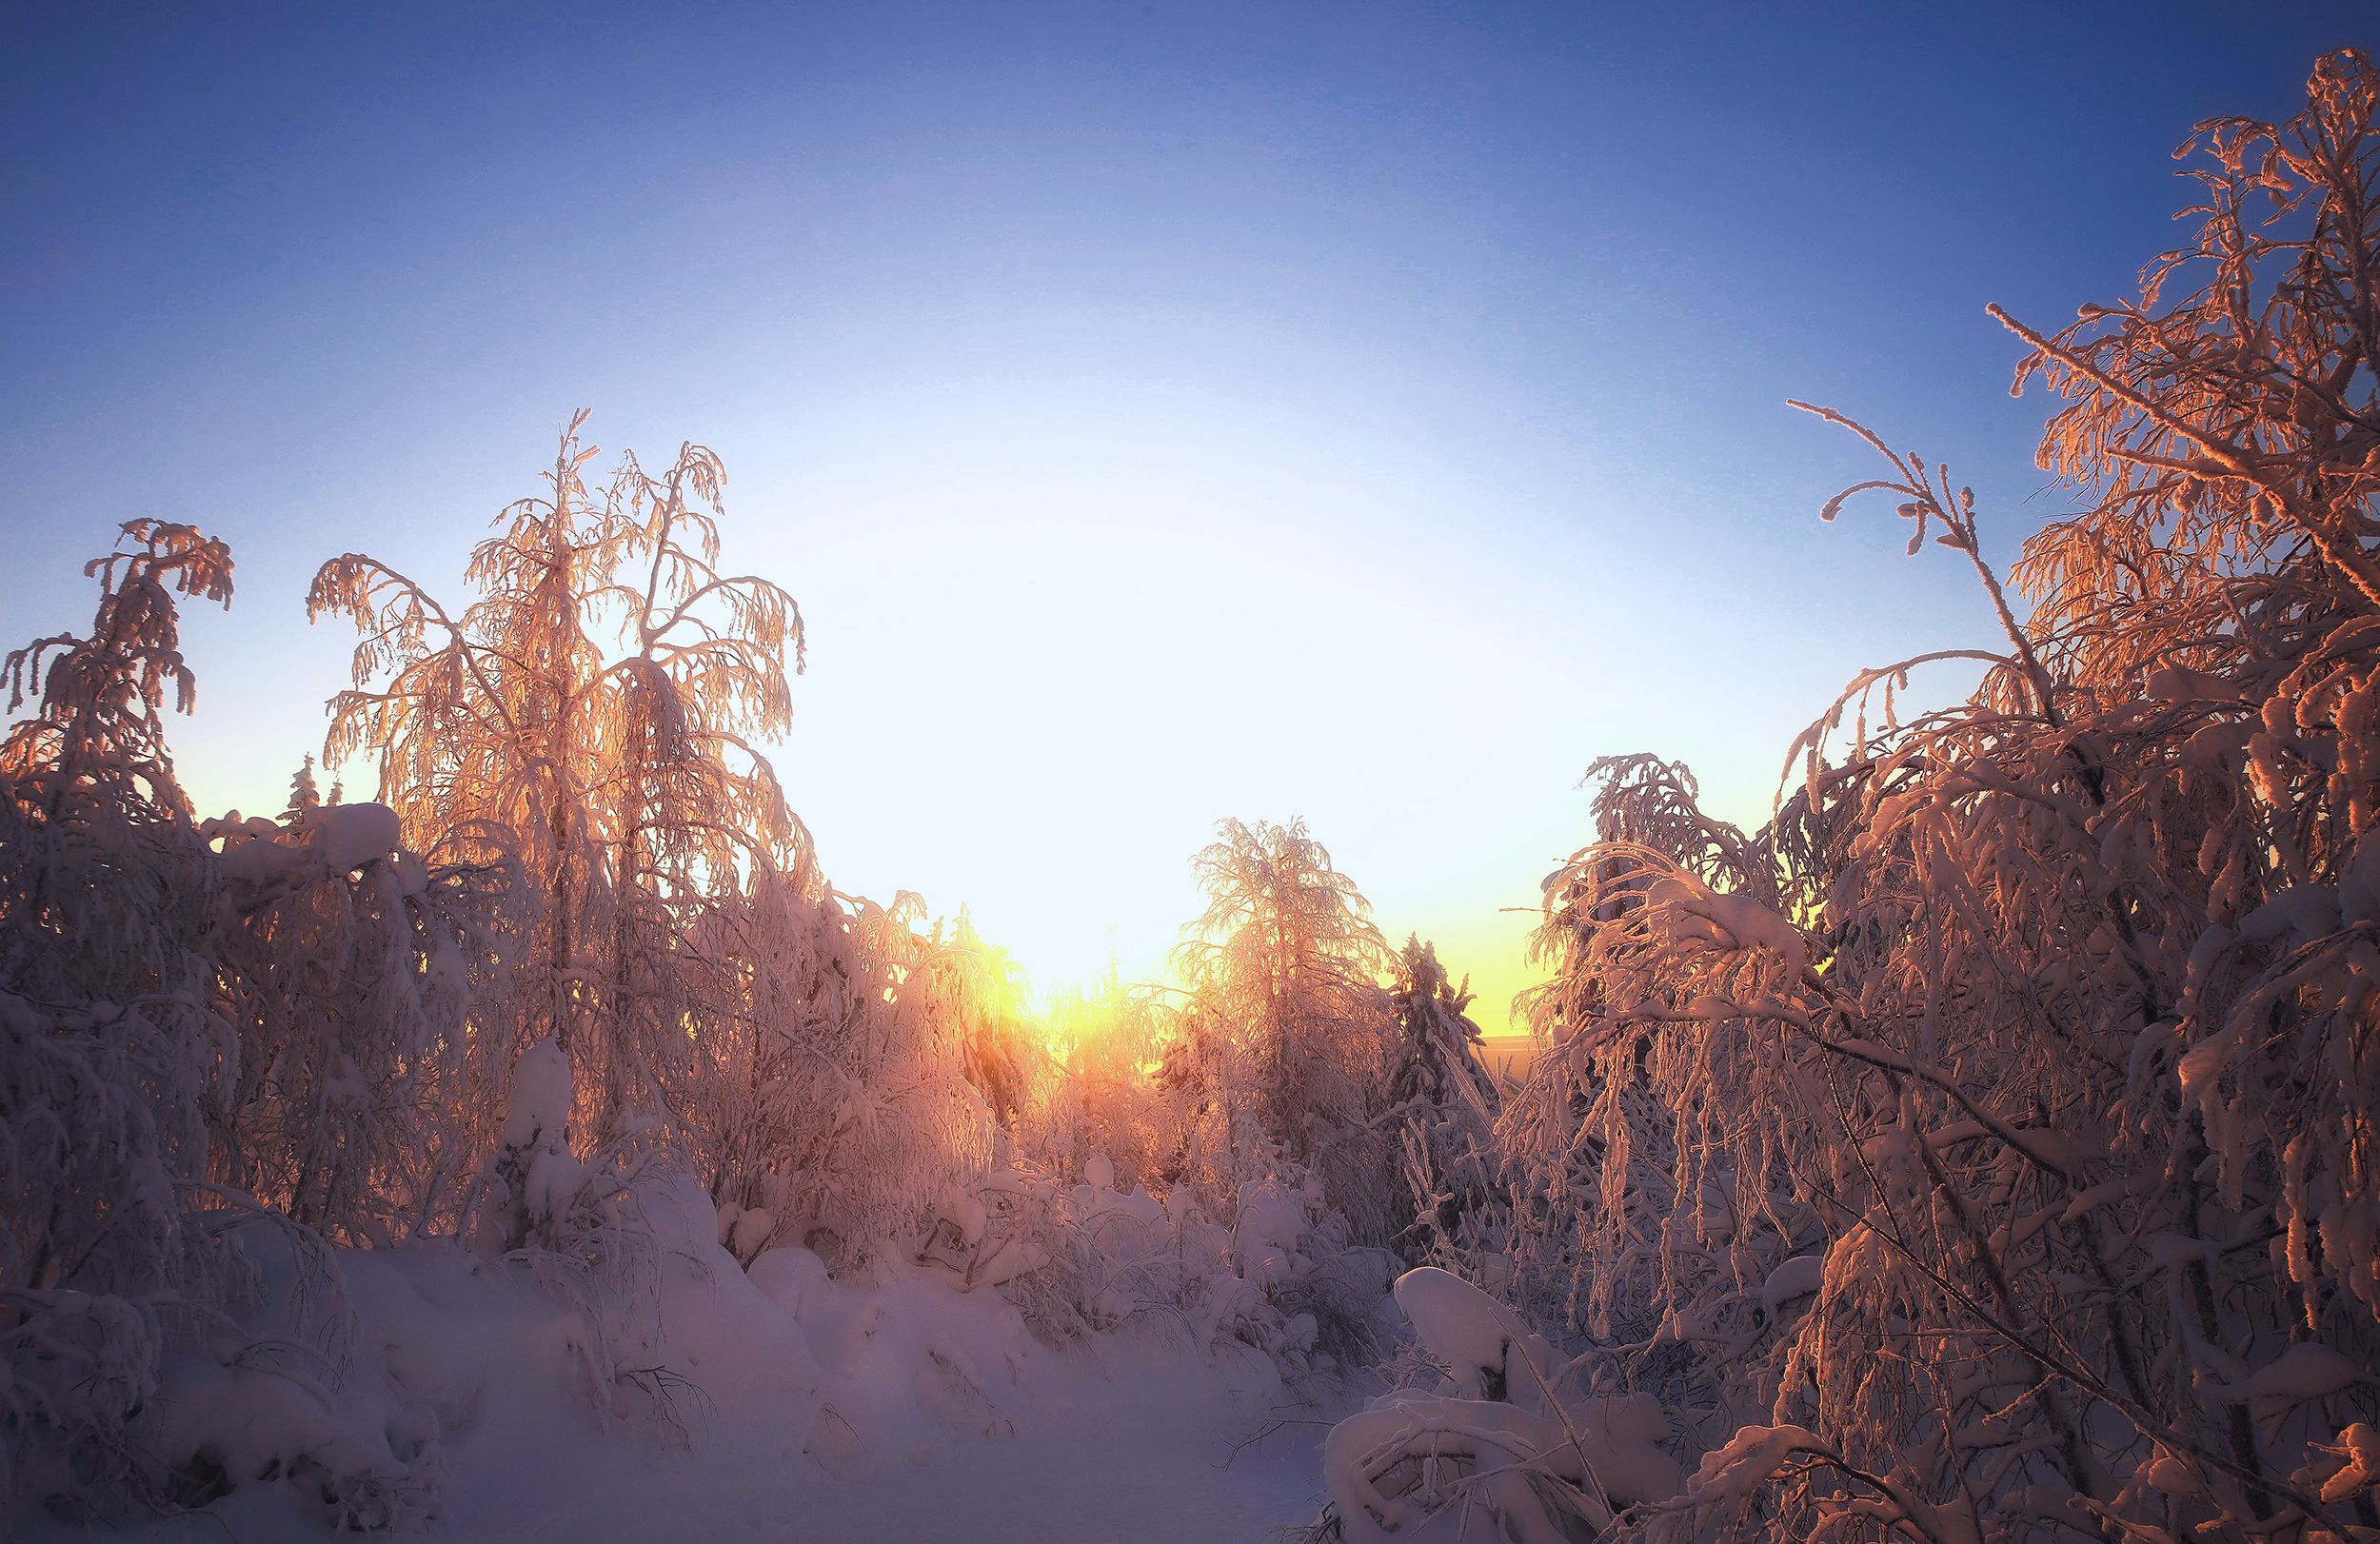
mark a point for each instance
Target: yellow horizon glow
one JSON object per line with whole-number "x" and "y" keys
{"x": 1044, "y": 661}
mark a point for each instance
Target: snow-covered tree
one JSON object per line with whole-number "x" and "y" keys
{"x": 1444, "y": 1102}
{"x": 187, "y": 1040}
{"x": 1987, "y": 1143}
{"x": 109, "y": 893}
{"x": 365, "y": 1100}
{"x": 691, "y": 806}
{"x": 1489, "y": 1440}
{"x": 1287, "y": 1021}
{"x": 835, "y": 1106}
{"x": 591, "y": 715}
{"x": 480, "y": 723}
{"x": 1099, "y": 1097}
{"x": 114, "y": 1053}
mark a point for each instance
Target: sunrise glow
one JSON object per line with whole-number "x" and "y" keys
{"x": 1080, "y": 773}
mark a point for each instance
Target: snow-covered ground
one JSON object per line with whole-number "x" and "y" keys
{"x": 901, "y": 1409}
{"x": 1154, "y": 1460}
{"x": 1153, "y": 1454}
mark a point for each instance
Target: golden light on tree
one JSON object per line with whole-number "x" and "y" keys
{"x": 589, "y": 712}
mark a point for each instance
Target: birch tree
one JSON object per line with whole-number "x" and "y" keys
{"x": 1288, "y": 1021}
{"x": 1987, "y": 1143}
{"x": 594, "y": 714}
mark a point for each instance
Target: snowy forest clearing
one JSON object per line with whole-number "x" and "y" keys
{"x": 1131, "y": 1470}
{"x": 925, "y": 1413}
{"x": 1987, "y": 1146}
{"x": 1159, "y": 1451}
{"x": 1158, "y": 1466}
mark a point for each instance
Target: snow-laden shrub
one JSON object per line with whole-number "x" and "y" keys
{"x": 113, "y": 1051}
{"x": 362, "y": 1104}
{"x": 1094, "y": 1099}
{"x": 833, "y": 1107}
{"x": 1491, "y": 1436}
{"x": 132, "y": 1283}
{"x": 1266, "y": 1263}
{"x": 581, "y": 1229}
{"x": 1267, "y": 1270}
{"x": 1076, "y": 1259}
{"x": 102, "y": 1261}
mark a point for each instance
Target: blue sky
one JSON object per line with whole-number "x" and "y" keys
{"x": 1162, "y": 411}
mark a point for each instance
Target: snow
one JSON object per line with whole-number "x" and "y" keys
{"x": 540, "y": 1101}
{"x": 1094, "y": 1461}
{"x": 2359, "y": 1445}
{"x": 329, "y": 840}
{"x": 1601, "y": 1444}
{"x": 2302, "y": 912}
{"x": 1502, "y": 1421}
{"x": 1462, "y": 1326}
{"x": 349, "y": 836}
{"x": 1800, "y": 1277}
{"x": 2306, "y": 1371}
{"x": 787, "y": 1276}
{"x": 1748, "y": 1461}
{"x": 1684, "y": 907}
{"x": 964, "y": 1212}
{"x": 751, "y": 1230}
{"x": 891, "y": 1407}
{"x": 2179, "y": 683}
{"x": 1272, "y": 1220}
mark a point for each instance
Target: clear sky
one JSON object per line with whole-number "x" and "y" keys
{"x": 1162, "y": 411}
